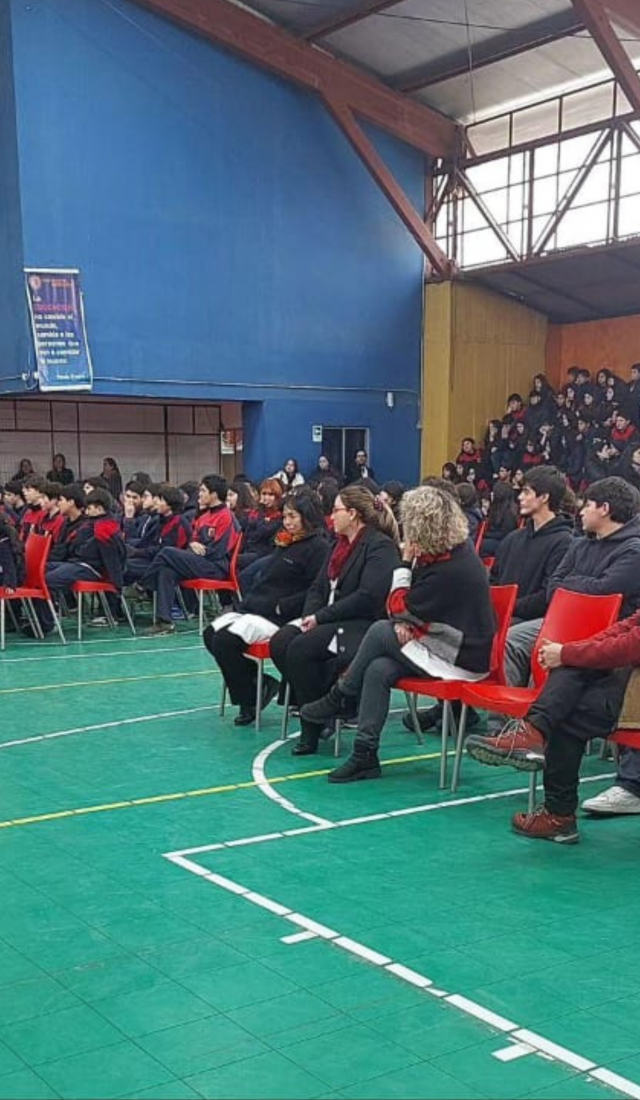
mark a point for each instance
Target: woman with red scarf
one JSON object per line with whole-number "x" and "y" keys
{"x": 440, "y": 625}
{"x": 347, "y": 596}
{"x": 277, "y": 596}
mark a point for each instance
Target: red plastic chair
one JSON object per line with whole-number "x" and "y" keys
{"x": 570, "y": 617}
{"x": 101, "y": 589}
{"x": 503, "y": 598}
{"x": 260, "y": 653}
{"x": 203, "y": 584}
{"x": 36, "y": 554}
{"x": 480, "y": 533}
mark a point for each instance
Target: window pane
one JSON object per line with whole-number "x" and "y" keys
{"x": 482, "y": 247}
{"x": 535, "y": 122}
{"x": 629, "y": 216}
{"x": 575, "y": 151}
{"x": 589, "y": 105}
{"x": 583, "y": 226}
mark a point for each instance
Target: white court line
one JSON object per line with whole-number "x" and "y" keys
{"x": 264, "y": 786}
{"x": 111, "y": 653}
{"x": 538, "y": 1044}
{"x": 325, "y": 825}
{"x": 106, "y": 726}
{"x": 133, "y": 639}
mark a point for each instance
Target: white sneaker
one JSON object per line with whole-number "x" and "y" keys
{"x": 615, "y": 800}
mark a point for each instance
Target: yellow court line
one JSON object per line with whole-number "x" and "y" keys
{"x": 177, "y": 796}
{"x": 96, "y": 683}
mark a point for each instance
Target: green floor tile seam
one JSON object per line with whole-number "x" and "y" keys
{"x": 495, "y": 1021}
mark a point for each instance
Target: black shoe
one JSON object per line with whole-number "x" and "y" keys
{"x": 246, "y": 716}
{"x": 431, "y": 718}
{"x": 335, "y": 704}
{"x": 362, "y": 764}
{"x": 270, "y": 688}
{"x": 305, "y": 748}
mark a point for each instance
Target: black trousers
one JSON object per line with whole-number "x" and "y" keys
{"x": 240, "y": 673}
{"x": 574, "y": 706}
{"x": 306, "y": 662}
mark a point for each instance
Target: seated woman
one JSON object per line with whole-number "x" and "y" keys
{"x": 300, "y": 550}
{"x": 260, "y": 525}
{"x": 347, "y": 596}
{"x": 441, "y": 624}
{"x": 502, "y": 518}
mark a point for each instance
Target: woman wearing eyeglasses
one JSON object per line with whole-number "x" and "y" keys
{"x": 441, "y": 625}
{"x": 347, "y": 596}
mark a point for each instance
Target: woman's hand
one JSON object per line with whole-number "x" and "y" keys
{"x": 308, "y": 623}
{"x": 550, "y": 655}
{"x": 404, "y": 633}
{"x": 410, "y": 551}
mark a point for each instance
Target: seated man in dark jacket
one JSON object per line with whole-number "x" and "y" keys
{"x": 581, "y": 700}
{"x": 607, "y": 560}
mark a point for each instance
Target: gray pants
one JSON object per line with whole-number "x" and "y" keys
{"x": 377, "y": 665}
{"x": 521, "y": 639}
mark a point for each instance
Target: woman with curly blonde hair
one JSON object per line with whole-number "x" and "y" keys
{"x": 440, "y": 624}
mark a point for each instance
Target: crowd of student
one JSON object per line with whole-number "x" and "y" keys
{"x": 588, "y": 430}
{"x": 349, "y": 606}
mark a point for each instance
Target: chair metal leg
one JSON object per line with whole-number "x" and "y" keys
{"x": 79, "y": 616}
{"x": 201, "y": 612}
{"x": 462, "y": 729}
{"x": 336, "y": 739}
{"x": 128, "y": 615}
{"x": 56, "y": 620}
{"x": 533, "y": 787}
{"x": 223, "y": 699}
{"x": 285, "y": 712}
{"x": 37, "y": 629}
{"x": 108, "y": 614}
{"x": 259, "y": 694}
{"x": 3, "y": 612}
{"x": 447, "y": 719}
{"x": 412, "y": 704}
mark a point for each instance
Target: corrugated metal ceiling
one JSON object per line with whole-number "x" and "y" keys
{"x": 411, "y": 41}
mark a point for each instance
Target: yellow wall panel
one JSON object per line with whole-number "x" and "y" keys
{"x": 479, "y": 348}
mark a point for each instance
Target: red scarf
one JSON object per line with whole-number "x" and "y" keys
{"x": 286, "y": 538}
{"x": 341, "y": 554}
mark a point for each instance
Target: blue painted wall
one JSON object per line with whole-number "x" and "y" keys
{"x": 231, "y": 244}
{"x": 14, "y": 343}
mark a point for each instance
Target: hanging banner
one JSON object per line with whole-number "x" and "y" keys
{"x": 63, "y": 361}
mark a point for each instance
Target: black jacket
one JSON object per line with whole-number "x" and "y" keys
{"x": 529, "y": 559}
{"x": 280, "y": 592}
{"x": 599, "y": 567}
{"x": 362, "y": 589}
{"x": 450, "y": 604}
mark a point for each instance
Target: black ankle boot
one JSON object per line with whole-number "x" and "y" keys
{"x": 362, "y": 764}
{"x": 307, "y": 745}
{"x": 335, "y": 704}
{"x": 245, "y": 716}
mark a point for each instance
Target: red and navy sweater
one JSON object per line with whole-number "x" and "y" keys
{"x": 95, "y": 541}
{"x": 218, "y": 532}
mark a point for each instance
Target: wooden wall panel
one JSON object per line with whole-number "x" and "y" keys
{"x": 494, "y": 347}
{"x": 613, "y": 342}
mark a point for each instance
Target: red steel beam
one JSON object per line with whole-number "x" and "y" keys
{"x": 626, "y": 13}
{"x": 261, "y": 43}
{"x": 597, "y": 20}
{"x": 438, "y": 260}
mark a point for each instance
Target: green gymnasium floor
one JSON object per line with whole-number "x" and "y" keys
{"x": 379, "y": 939}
